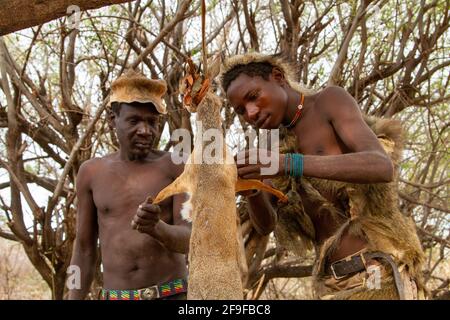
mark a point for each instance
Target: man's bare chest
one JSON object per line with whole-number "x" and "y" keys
{"x": 116, "y": 187}
{"x": 316, "y": 136}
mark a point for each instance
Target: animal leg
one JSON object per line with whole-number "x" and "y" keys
{"x": 251, "y": 184}
{"x": 180, "y": 185}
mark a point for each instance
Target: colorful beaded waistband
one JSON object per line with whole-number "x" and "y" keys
{"x": 155, "y": 292}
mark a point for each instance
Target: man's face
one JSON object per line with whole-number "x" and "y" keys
{"x": 136, "y": 126}
{"x": 261, "y": 102}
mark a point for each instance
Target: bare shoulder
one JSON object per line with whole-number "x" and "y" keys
{"x": 335, "y": 101}
{"x": 163, "y": 160}
{"x": 95, "y": 163}
{"x": 85, "y": 174}
{"x": 333, "y": 92}
{"x": 89, "y": 167}
{"x": 175, "y": 168}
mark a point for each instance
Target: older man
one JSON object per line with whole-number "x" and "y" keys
{"x": 143, "y": 246}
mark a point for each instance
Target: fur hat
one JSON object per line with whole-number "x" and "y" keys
{"x": 276, "y": 61}
{"x": 135, "y": 87}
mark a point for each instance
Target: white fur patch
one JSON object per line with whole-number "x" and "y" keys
{"x": 186, "y": 209}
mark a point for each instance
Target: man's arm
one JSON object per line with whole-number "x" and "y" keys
{"x": 261, "y": 211}
{"x": 367, "y": 162}
{"x": 85, "y": 248}
{"x": 175, "y": 237}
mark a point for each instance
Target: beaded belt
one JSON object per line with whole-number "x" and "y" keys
{"x": 154, "y": 292}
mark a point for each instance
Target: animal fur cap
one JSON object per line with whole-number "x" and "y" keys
{"x": 135, "y": 87}
{"x": 287, "y": 69}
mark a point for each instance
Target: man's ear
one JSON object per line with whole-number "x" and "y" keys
{"x": 111, "y": 118}
{"x": 278, "y": 75}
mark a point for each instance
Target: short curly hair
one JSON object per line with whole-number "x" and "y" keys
{"x": 253, "y": 69}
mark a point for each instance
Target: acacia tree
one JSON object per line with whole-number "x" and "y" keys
{"x": 54, "y": 83}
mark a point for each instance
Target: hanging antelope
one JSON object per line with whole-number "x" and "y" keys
{"x": 214, "y": 254}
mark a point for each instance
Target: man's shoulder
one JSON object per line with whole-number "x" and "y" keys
{"x": 335, "y": 100}
{"x": 96, "y": 162}
{"x": 167, "y": 158}
{"x": 159, "y": 157}
{"x": 161, "y": 154}
{"x": 331, "y": 93}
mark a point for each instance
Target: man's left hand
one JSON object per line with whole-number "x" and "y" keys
{"x": 251, "y": 166}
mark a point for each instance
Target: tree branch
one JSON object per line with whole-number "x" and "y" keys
{"x": 179, "y": 16}
{"x": 340, "y": 60}
{"x": 411, "y": 199}
{"x": 33, "y": 13}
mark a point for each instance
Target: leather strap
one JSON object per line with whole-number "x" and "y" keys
{"x": 357, "y": 263}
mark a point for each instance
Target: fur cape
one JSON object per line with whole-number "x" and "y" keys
{"x": 370, "y": 210}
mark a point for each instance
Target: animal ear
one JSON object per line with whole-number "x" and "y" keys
{"x": 214, "y": 64}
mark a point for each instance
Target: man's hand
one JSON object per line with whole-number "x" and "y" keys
{"x": 146, "y": 218}
{"x": 259, "y": 164}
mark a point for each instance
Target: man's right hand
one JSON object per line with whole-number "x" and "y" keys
{"x": 146, "y": 218}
